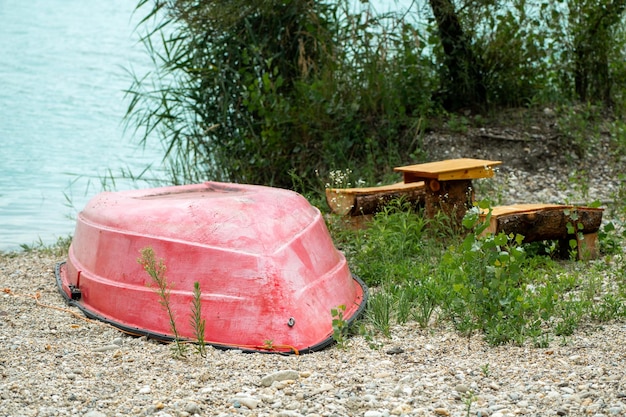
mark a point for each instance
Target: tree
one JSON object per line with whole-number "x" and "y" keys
{"x": 463, "y": 84}
{"x": 593, "y": 24}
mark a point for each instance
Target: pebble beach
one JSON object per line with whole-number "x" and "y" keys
{"x": 53, "y": 362}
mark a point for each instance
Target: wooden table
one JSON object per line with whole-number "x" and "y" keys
{"x": 449, "y": 183}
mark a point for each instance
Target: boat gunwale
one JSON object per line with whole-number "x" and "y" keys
{"x": 136, "y": 331}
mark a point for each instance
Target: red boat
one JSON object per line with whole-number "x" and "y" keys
{"x": 268, "y": 271}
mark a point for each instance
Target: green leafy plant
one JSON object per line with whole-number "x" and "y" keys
{"x": 610, "y": 307}
{"x": 569, "y": 318}
{"x": 458, "y": 124}
{"x": 368, "y": 335}
{"x": 610, "y": 238}
{"x": 156, "y": 270}
{"x": 268, "y": 344}
{"x": 469, "y": 399}
{"x": 489, "y": 291}
{"x": 579, "y": 129}
{"x": 574, "y": 228}
{"x": 542, "y": 340}
{"x": 496, "y": 286}
{"x": 340, "y": 326}
{"x": 250, "y": 92}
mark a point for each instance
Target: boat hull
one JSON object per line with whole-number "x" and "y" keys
{"x": 267, "y": 269}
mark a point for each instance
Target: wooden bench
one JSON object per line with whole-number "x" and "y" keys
{"x": 449, "y": 184}
{"x": 538, "y": 222}
{"x": 370, "y": 200}
{"x": 446, "y": 186}
{"x": 439, "y": 186}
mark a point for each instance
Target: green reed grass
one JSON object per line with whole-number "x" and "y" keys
{"x": 156, "y": 270}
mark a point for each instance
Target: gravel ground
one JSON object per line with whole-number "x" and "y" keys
{"x": 53, "y": 362}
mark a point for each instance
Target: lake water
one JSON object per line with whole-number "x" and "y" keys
{"x": 62, "y": 75}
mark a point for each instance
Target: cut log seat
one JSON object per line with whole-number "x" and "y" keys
{"x": 537, "y": 222}
{"x": 369, "y": 200}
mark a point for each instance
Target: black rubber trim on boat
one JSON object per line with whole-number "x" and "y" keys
{"x": 135, "y": 331}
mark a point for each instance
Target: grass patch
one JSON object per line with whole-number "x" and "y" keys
{"x": 494, "y": 286}
{"x": 58, "y": 248}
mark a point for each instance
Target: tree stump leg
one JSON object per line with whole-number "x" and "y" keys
{"x": 586, "y": 247}
{"x": 452, "y": 198}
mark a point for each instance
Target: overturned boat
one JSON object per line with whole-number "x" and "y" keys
{"x": 268, "y": 272}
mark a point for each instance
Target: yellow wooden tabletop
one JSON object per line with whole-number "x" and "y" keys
{"x": 452, "y": 169}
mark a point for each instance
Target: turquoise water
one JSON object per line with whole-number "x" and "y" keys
{"x": 63, "y": 69}
{"x": 62, "y": 75}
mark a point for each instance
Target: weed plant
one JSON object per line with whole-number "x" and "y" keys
{"x": 340, "y": 326}
{"x": 379, "y": 309}
{"x": 156, "y": 269}
{"x": 198, "y": 324}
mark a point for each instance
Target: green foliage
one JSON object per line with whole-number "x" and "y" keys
{"x": 570, "y": 314}
{"x": 618, "y": 138}
{"x": 489, "y": 290}
{"x": 368, "y": 335}
{"x": 198, "y": 324}
{"x": 574, "y": 229}
{"x": 495, "y": 286}
{"x": 59, "y": 248}
{"x": 395, "y": 237}
{"x": 156, "y": 270}
{"x": 485, "y": 370}
{"x": 258, "y": 92}
{"x": 513, "y": 43}
{"x": 579, "y": 127}
{"x": 593, "y": 28}
{"x": 469, "y": 399}
{"x": 617, "y": 210}
{"x": 611, "y": 239}
{"x": 340, "y": 326}
{"x": 458, "y": 124}
{"x": 249, "y": 93}
{"x": 155, "y": 267}
{"x": 611, "y": 307}
{"x": 380, "y": 308}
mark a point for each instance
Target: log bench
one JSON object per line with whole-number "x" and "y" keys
{"x": 439, "y": 186}
{"x": 445, "y": 186}
{"x": 449, "y": 184}
{"x": 370, "y": 200}
{"x": 538, "y": 222}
